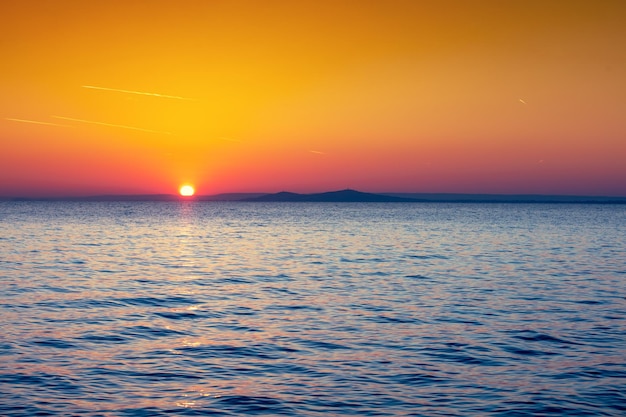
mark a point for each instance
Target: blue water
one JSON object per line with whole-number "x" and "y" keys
{"x": 312, "y": 309}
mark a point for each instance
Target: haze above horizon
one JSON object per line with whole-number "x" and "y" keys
{"x": 480, "y": 97}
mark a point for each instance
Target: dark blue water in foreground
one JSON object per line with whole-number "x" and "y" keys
{"x": 227, "y": 309}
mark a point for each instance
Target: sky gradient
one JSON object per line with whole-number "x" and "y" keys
{"x": 121, "y": 97}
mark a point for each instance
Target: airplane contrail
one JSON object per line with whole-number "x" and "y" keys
{"x": 522, "y": 101}
{"x": 317, "y": 152}
{"x": 36, "y": 122}
{"x": 142, "y": 93}
{"x": 111, "y": 125}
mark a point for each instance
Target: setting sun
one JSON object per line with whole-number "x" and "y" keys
{"x": 186, "y": 190}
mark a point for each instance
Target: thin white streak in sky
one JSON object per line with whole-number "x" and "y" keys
{"x": 35, "y": 122}
{"x": 317, "y": 152}
{"x": 111, "y": 125}
{"x": 522, "y": 101}
{"x": 142, "y": 93}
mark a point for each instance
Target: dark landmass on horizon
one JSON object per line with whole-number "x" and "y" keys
{"x": 357, "y": 196}
{"x": 344, "y": 196}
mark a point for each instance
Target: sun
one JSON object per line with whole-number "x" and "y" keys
{"x": 186, "y": 190}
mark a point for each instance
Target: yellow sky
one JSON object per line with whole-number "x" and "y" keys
{"x": 450, "y": 96}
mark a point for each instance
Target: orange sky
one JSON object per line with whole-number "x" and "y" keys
{"x": 242, "y": 96}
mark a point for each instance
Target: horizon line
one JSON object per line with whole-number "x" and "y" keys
{"x": 445, "y": 196}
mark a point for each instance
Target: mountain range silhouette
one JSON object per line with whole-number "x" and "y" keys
{"x": 342, "y": 196}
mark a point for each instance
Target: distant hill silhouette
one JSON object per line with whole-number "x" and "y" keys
{"x": 342, "y": 196}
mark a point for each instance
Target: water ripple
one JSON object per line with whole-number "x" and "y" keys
{"x": 160, "y": 309}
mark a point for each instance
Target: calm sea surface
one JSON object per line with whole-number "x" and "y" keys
{"x": 312, "y": 309}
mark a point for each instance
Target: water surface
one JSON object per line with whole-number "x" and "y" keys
{"x": 312, "y": 309}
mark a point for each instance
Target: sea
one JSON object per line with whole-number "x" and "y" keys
{"x": 312, "y": 309}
